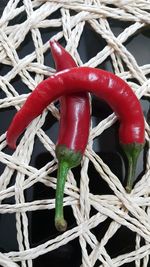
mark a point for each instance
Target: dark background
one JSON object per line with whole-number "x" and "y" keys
{"x": 41, "y": 226}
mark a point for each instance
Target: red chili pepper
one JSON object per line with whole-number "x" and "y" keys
{"x": 73, "y": 131}
{"x": 104, "y": 85}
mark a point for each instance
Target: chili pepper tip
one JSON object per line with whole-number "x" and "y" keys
{"x": 11, "y": 144}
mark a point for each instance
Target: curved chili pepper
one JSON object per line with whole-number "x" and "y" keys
{"x": 104, "y": 85}
{"x": 73, "y": 131}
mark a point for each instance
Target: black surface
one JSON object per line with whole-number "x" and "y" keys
{"x": 107, "y": 146}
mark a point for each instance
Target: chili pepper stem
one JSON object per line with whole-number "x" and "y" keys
{"x": 60, "y": 222}
{"x": 131, "y": 173}
{"x": 132, "y": 152}
{"x": 67, "y": 159}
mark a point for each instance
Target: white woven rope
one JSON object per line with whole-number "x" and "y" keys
{"x": 131, "y": 211}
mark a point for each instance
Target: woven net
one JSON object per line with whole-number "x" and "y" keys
{"x": 30, "y": 21}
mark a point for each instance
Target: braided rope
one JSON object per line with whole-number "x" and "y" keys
{"x": 131, "y": 211}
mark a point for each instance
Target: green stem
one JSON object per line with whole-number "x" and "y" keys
{"x": 67, "y": 159}
{"x": 60, "y": 222}
{"x": 132, "y": 152}
{"x": 132, "y": 162}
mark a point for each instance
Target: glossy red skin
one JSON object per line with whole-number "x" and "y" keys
{"x": 74, "y": 108}
{"x": 103, "y": 84}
